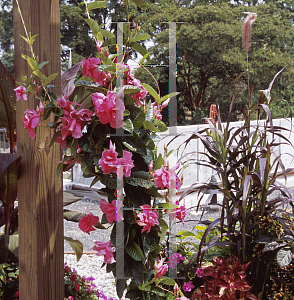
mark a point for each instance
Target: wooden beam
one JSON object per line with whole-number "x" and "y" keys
{"x": 39, "y": 191}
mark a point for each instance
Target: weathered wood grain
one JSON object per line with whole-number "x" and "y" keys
{"x": 40, "y": 191}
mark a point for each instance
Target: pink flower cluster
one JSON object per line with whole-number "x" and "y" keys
{"x": 90, "y": 69}
{"x": 188, "y": 286}
{"x": 109, "y": 108}
{"x": 166, "y": 177}
{"x": 112, "y": 210}
{"x": 148, "y": 217}
{"x": 110, "y": 163}
{"x": 105, "y": 249}
{"x": 87, "y": 222}
{"x": 73, "y": 121}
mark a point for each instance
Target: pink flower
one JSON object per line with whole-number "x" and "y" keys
{"x": 87, "y": 222}
{"x": 109, "y": 108}
{"x": 31, "y": 120}
{"x": 84, "y": 115}
{"x": 182, "y": 298}
{"x": 105, "y": 249}
{"x": 175, "y": 259}
{"x": 70, "y": 126}
{"x": 16, "y": 294}
{"x": 159, "y": 268}
{"x": 21, "y": 93}
{"x": 90, "y": 68}
{"x": 70, "y": 298}
{"x": 181, "y": 213}
{"x": 108, "y": 160}
{"x": 126, "y": 162}
{"x": 167, "y": 177}
{"x": 188, "y": 286}
{"x": 40, "y": 108}
{"x": 112, "y": 210}
{"x": 77, "y": 287}
{"x": 148, "y": 218}
{"x": 150, "y": 167}
{"x": 142, "y": 93}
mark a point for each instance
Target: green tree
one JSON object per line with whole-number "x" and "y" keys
{"x": 210, "y": 54}
{"x": 6, "y": 35}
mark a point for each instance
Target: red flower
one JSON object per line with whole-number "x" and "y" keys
{"x": 73, "y": 277}
{"x": 87, "y": 222}
{"x": 31, "y": 121}
{"x": 77, "y": 287}
{"x": 16, "y": 294}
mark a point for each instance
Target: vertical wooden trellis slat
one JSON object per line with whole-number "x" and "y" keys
{"x": 40, "y": 191}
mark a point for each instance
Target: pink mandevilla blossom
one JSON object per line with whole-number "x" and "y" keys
{"x": 148, "y": 217}
{"x": 126, "y": 162}
{"x": 112, "y": 210}
{"x": 188, "y": 286}
{"x": 21, "y": 93}
{"x": 167, "y": 178}
{"x": 87, "y": 222}
{"x": 159, "y": 268}
{"x": 108, "y": 160}
{"x": 105, "y": 249}
{"x": 109, "y": 108}
{"x": 90, "y": 67}
{"x": 70, "y": 126}
{"x": 182, "y": 298}
{"x": 31, "y": 121}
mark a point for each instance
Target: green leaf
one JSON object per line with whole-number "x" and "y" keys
{"x": 160, "y": 125}
{"x": 284, "y": 257}
{"x": 168, "y": 96}
{"x": 128, "y": 126}
{"x": 146, "y": 56}
{"x": 151, "y": 91}
{"x": 32, "y": 63}
{"x": 107, "y": 34}
{"x": 167, "y": 205}
{"x": 39, "y": 74}
{"x": 50, "y": 78}
{"x": 137, "y": 276}
{"x": 73, "y": 216}
{"x": 147, "y": 184}
{"x": 94, "y": 25}
{"x": 141, "y": 37}
{"x": 137, "y": 47}
{"x": 133, "y": 294}
{"x": 142, "y": 4}
{"x": 135, "y": 251}
{"x": 12, "y": 243}
{"x": 163, "y": 229}
{"x": 97, "y": 4}
{"x": 76, "y": 245}
{"x": 92, "y": 85}
{"x": 149, "y": 126}
{"x": 158, "y": 291}
{"x": 120, "y": 286}
{"x": 159, "y": 162}
{"x": 42, "y": 64}
{"x": 165, "y": 280}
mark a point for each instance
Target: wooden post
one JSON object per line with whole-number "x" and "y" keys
{"x": 39, "y": 189}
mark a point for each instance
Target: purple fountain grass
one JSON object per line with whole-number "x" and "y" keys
{"x": 246, "y": 34}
